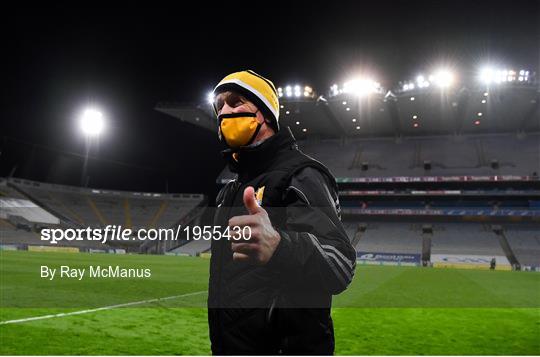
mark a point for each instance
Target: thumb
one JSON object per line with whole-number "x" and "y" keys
{"x": 249, "y": 201}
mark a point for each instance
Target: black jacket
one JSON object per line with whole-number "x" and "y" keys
{"x": 283, "y": 306}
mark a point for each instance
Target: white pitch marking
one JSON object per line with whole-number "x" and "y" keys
{"x": 98, "y": 309}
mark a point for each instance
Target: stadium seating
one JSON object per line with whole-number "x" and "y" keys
{"x": 386, "y": 237}
{"x": 12, "y": 234}
{"x": 465, "y": 239}
{"x": 448, "y": 156}
{"x": 466, "y": 155}
{"x": 525, "y": 243}
{"x": 28, "y": 206}
{"x": 8, "y": 191}
{"x": 21, "y": 236}
{"x": 98, "y": 208}
{"x": 193, "y": 248}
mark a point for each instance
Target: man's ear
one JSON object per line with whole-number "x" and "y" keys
{"x": 260, "y": 117}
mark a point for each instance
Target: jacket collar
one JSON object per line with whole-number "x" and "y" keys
{"x": 254, "y": 159}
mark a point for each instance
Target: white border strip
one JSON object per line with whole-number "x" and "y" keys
{"x": 98, "y": 309}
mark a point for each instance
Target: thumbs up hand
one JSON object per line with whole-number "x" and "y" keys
{"x": 262, "y": 244}
{"x": 250, "y": 202}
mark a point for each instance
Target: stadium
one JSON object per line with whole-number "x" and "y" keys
{"x": 415, "y": 195}
{"x": 439, "y": 187}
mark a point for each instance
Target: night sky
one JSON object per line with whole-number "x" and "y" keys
{"x": 126, "y": 60}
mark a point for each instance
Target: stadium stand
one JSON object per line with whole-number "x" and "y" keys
{"x": 11, "y": 233}
{"x": 29, "y": 206}
{"x": 465, "y": 239}
{"x": 21, "y": 218}
{"x": 524, "y": 241}
{"x": 473, "y": 157}
{"x": 193, "y": 248}
{"x": 391, "y": 237}
{"x": 8, "y": 192}
{"x": 98, "y": 208}
{"x": 448, "y": 156}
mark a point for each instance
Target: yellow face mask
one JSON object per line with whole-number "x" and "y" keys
{"x": 238, "y": 129}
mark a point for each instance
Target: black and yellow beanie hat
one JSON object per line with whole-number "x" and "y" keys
{"x": 257, "y": 89}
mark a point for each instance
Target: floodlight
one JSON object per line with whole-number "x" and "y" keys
{"x": 288, "y": 91}
{"x": 443, "y": 78}
{"x": 487, "y": 75}
{"x": 210, "y": 97}
{"x": 92, "y": 122}
{"x": 297, "y": 91}
{"x": 361, "y": 87}
{"x": 421, "y": 81}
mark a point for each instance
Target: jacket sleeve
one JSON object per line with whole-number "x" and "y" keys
{"x": 314, "y": 246}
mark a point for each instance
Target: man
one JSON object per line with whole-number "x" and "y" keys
{"x": 271, "y": 293}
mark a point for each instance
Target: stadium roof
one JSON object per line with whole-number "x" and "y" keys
{"x": 460, "y": 110}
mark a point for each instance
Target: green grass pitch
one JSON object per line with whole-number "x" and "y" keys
{"x": 386, "y": 310}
